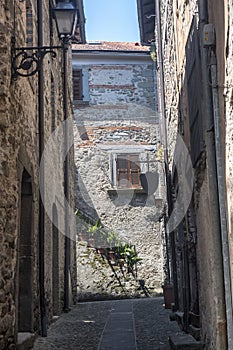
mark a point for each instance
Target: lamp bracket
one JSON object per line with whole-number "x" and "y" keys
{"x": 27, "y": 61}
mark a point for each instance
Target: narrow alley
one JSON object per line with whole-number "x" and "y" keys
{"x": 112, "y": 325}
{"x": 116, "y": 175}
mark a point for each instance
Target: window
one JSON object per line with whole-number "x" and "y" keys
{"x": 127, "y": 164}
{"x": 52, "y": 103}
{"x": 128, "y": 171}
{"x": 80, "y": 85}
{"x": 193, "y": 72}
{"x": 29, "y": 24}
{"x": 77, "y": 85}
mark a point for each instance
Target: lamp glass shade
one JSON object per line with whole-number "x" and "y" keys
{"x": 66, "y": 18}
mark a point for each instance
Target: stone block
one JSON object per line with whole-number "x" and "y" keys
{"x": 147, "y": 73}
{"x": 145, "y": 85}
{"x": 194, "y": 331}
{"x": 25, "y": 341}
{"x": 6, "y": 323}
{"x": 180, "y": 319}
{"x": 4, "y": 118}
{"x": 184, "y": 342}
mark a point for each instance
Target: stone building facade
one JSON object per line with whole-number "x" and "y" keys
{"x": 116, "y": 144}
{"x": 194, "y": 54}
{"x": 32, "y": 261}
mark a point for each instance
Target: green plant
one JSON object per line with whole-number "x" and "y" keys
{"x": 94, "y": 228}
{"x": 160, "y": 153}
{"x": 123, "y": 254}
{"x": 111, "y": 238}
{"x": 126, "y": 252}
{"x": 153, "y": 52}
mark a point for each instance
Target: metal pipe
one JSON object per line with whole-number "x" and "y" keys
{"x": 66, "y": 178}
{"x": 222, "y": 195}
{"x": 168, "y": 272}
{"x": 41, "y": 149}
{"x": 164, "y": 141}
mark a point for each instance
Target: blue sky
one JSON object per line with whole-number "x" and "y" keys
{"x": 111, "y": 20}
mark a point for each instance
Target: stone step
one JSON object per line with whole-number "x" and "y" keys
{"x": 194, "y": 331}
{"x": 25, "y": 341}
{"x": 184, "y": 342}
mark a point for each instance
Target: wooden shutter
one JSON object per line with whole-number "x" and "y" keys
{"x": 77, "y": 85}
{"x": 122, "y": 171}
{"x": 134, "y": 170}
{"x": 128, "y": 171}
{"x": 193, "y": 72}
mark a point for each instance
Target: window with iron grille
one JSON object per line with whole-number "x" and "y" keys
{"x": 128, "y": 171}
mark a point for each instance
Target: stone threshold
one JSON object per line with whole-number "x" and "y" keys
{"x": 184, "y": 342}
{"x": 25, "y": 340}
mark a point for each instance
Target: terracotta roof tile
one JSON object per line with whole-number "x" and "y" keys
{"x": 110, "y": 46}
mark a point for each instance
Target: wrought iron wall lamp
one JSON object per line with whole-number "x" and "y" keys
{"x": 27, "y": 61}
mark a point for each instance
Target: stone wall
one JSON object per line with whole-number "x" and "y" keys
{"x": 19, "y": 185}
{"x": 17, "y": 152}
{"x": 227, "y": 97}
{"x": 120, "y": 119}
{"x": 206, "y": 251}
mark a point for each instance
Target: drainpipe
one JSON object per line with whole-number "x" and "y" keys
{"x": 66, "y": 179}
{"x": 213, "y": 184}
{"x": 222, "y": 195}
{"x": 41, "y": 149}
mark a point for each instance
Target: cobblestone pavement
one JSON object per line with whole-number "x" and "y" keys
{"x": 87, "y": 326}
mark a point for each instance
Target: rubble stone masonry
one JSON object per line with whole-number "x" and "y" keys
{"x": 19, "y": 174}
{"x": 121, "y": 118}
{"x": 176, "y": 21}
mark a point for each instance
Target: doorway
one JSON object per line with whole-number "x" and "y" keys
{"x": 25, "y": 257}
{"x": 55, "y": 263}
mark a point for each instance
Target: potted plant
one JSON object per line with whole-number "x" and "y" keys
{"x": 168, "y": 294}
